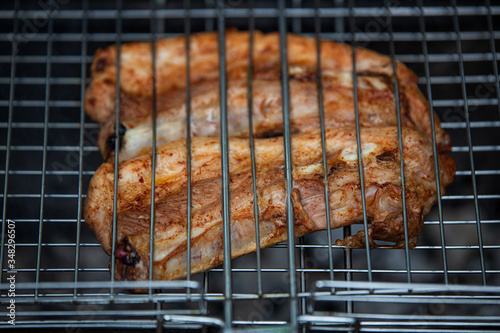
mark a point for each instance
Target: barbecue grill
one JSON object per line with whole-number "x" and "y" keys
{"x": 449, "y": 282}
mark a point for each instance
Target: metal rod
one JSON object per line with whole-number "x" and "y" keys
{"x": 204, "y": 302}
{"x": 187, "y": 29}
{"x": 296, "y": 21}
{"x": 283, "y": 270}
{"x": 159, "y": 317}
{"x": 264, "y": 12}
{"x": 302, "y": 280}
{"x": 160, "y": 22}
{"x": 261, "y": 13}
{"x": 251, "y": 24}
{"x": 228, "y": 305}
{"x": 76, "y": 103}
{"x": 83, "y": 73}
{"x": 9, "y": 133}
{"x": 153, "y": 148}
{"x": 48, "y": 71}
{"x": 305, "y": 246}
{"x": 209, "y": 19}
{"x": 118, "y": 26}
{"x": 339, "y": 21}
{"x": 288, "y": 166}
{"x": 321, "y": 109}
{"x": 410, "y": 57}
{"x": 493, "y": 51}
{"x": 358, "y": 143}
{"x": 347, "y": 231}
{"x": 469, "y": 142}
{"x": 434, "y": 146}
{"x": 400, "y": 141}
{"x": 348, "y": 268}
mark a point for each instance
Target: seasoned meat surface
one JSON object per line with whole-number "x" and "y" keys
{"x": 382, "y": 184}
{"x": 375, "y": 82}
{"x": 376, "y": 107}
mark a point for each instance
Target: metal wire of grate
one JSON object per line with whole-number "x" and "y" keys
{"x": 48, "y": 153}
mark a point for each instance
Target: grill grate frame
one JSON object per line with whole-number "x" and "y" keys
{"x": 48, "y": 150}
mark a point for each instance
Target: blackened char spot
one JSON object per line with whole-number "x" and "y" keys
{"x": 388, "y": 156}
{"x": 404, "y": 107}
{"x": 126, "y": 253}
{"x": 100, "y": 64}
{"x": 110, "y": 141}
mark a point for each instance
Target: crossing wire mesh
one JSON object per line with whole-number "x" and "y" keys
{"x": 48, "y": 153}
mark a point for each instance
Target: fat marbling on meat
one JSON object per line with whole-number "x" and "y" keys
{"x": 382, "y": 183}
{"x": 375, "y": 83}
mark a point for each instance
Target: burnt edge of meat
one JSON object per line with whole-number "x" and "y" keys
{"x": 110, "y": 141}
{"x": 126, "y": 253}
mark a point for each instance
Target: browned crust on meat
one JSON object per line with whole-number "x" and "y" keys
{"x": 136, "y": 73}
{"x": 376, "y": 107}
{"x": 382, "y": 183}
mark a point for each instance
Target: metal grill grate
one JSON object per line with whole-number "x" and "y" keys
{"x": 48, "y": 152}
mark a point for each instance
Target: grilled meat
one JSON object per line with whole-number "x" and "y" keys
{"x": 382, "y": 183}
{"x": 375, "y": 89}
{"x": 376, "y": 107}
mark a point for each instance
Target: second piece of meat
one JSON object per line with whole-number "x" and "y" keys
{"x": 376, "y": 106}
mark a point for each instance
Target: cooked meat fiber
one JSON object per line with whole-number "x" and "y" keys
{"x": 375, "y": 89}
{"x": 376, "y": 107}
{"x": 382, "y": 183}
